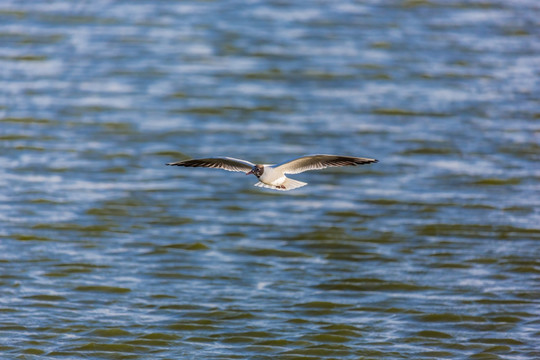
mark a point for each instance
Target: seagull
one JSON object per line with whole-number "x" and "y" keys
{"x": 272, "y": 176}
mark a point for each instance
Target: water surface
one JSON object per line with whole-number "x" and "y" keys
{"x": 430, "y": 254}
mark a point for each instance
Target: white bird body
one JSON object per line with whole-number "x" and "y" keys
{"x": 274, "y": 176}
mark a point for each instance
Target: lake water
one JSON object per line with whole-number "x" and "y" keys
{"x": 432, "y": 253}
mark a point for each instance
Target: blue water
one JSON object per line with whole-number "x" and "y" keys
{"x": 432, "y": 253}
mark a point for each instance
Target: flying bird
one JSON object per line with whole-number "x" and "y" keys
{"x": 273, "y": 176}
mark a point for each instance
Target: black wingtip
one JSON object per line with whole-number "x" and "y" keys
{"x": 367, "y": 161}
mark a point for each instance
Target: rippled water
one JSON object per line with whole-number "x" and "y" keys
{"x": 432, "y": 253}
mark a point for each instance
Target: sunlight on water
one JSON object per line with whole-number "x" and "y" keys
{"x": 431, "y": 253}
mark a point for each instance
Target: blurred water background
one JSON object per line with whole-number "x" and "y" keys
{"x": 433, "y": 253}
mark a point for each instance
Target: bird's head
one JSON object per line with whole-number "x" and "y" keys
{"x": 256, "y": 170}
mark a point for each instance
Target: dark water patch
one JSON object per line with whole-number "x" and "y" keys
{"x": 439, "y": 265}
{"x": 96, "y": 109}
{"x": 150, "y": 343}
{"x": 117, "y": 155}
{"x": 442, "y": 254}
{"x": 401, "y": 203}
{"x": 318, "y": 75}
{"x": 200, "y": 339}
{"x": 519, "y": 209}
{"x": 115, "y": 170}
{"x": 521, "y": 261}
{"x": 279, "y": 343}
{"x": 330, "y": 233}
{"x": 237, "y": 340}
{"x": 201, "y": 325}
{"x": 45, "y": 297}
{"x": 29, "y": 148}
{"x": 12, "y": 327}
{"x": 111, "y": 348}
{"x": 258, "y": 349}
{"x": 234, "y": 208}
{"x": 19, "y": 14}
{"x": 526, "y": 269}
{"x": 163, "y": 296}
{"x": 334, "y": 247}
{"x": 72, "y": 266}
{"x": 25, "y": 237}
{"x": 31, "y": 58}
{"x": 273, "y": 253}
{"x": 371, "y": 284}
{"x": 270, "y": 74}
{"x": 381, "y": 45}
{"x": 115, "y": 127}
{"x": 110, "y": 332}
{"x": 7, "y": 310}
{"x": 41, "y": 39}
{"x": 498, "y": 349}
{"x": 477, "y": 206}
{"x": 359, "y": 256}
{"x": 478, "y": 231}
{"x": 103, "y": 289}
{"x": 450, "y": 317}
{"x": 406, "y": 113}
{"x": 435, "y": 354}
{"x": 255, "y": 334}
{"x": 235, "y": 234}
{"x": 160, "y": 336}
{"x": 29, "y": 121}
{"x": 68, "y": 269}
{"x": 180, "y": 307}
{"x": 74, "y": 354}
{"x": 177, "y": 155}
{"x": 434, "y": 334}
{"x": 170, "y": 220}
{"x": 14, "y": 137}
{"x": 350, "y": 214}
{"x": 346, "y": 333}
{"x": 49, "y": 201}
{"x": 495, "y": 328}
{"x": 93, "y": 230}
{"x": 327, "y": 338}
{"x": 497, "y": 341}
{"x": 174, "y": 275}
{"x": 226, "y": 110}
{"x": 197, "y": 246}
{"x": 33, "y": 351}
{"x": 108, "y": 211}
{"x": 390, "y": 310}
{"x": 54, "y": 274}
{"x": 341, "y": 327}
{"x": 321, "y": 305}
{"x": 497, "y": 182}
{"x": 75, "y": 19}
{"x": 222, "y": 315}
{"x": 506, "y": 319}
{"x": 317, "y": 351}
{"x": 429, "y": 151}
{"x": 529, "y": 150}
{"x": 178, "y": 95}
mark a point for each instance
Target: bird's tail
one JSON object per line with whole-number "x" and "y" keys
{"x": 289, "y": 184}
{"x": 293, "y": 184}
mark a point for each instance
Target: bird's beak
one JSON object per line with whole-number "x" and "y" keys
{"x": 249, "y": 172}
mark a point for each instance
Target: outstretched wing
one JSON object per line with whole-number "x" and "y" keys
{"x": 225, "y": 163}
{"x": 316, "y": 162}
